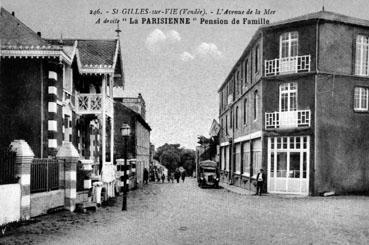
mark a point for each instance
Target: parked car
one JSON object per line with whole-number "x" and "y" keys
{"x": 208, "y": 174}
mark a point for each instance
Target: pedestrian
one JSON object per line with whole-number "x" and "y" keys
{"x": 183, "y": 175}
{"x": 260, "y": 178}
{"x": 146, "y": 176}
{"x": 172, "y": 176}
{"x": 157, "y": 176}
{"x": 162, "y": 178}
{"x": 177, "y": 175}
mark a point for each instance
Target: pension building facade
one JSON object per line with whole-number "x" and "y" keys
{"x": 296, "y": 105}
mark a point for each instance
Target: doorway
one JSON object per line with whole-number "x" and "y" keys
{"x": 288, "y": 164}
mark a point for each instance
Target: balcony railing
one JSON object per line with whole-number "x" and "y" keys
{"x": 287, "y": 65}
{"x": 92, "y": 104}
{"x": 287, "y": 119}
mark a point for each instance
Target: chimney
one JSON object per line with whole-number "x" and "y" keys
{"x": 13, "y": 13}
{"x": 39, "y": 34}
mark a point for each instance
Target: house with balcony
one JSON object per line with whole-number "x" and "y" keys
{"x": 296, "y": 105}
{"x": 59, "y": 90}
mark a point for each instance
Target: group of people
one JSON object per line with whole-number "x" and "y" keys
{"x": 158, "y": 175}
{"x": 177, "y": 175}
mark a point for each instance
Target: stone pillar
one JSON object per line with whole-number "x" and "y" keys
{"x": 24, "y": 157}
{"x": 70, "y": 156}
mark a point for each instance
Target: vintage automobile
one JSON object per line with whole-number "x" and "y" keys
{"x": 208, "y": 174}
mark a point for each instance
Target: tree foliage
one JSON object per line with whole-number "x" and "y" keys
{"x": 173, "y": 156}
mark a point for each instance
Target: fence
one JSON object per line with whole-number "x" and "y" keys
{"x": 44, "y": 174}
{"x": 7, "y": 167}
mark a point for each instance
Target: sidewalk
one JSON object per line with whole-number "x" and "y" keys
{"x": 236, "y": 189}
{"x": 245, "y": 192}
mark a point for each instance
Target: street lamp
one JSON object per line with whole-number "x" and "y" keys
{"x": 125, "y": 130}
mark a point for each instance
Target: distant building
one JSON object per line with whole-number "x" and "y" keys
{"x": 138, "y": 142}
{"x": 136, "y": 104}
{"x": 152, "y": 153}
{"x": 296, "y": 105}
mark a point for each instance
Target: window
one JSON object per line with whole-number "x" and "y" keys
{"x": 362, "y": 56}
{"x": 238, "y": 82}
{"x": 226, "y": 126}
{"x": 288, "y": 46}
{"x": 246, "y": 159}
{"x": 227, "y": 158}
{"x": 231, "y": 87}
{"x": 246, "y": 80}
{"x": 67, "y": 79}
{"x": 288, "y": 97}
{"x": 361, "y": 99}
{"x": 221, "y": 101}
{"x": 225, "y": 98}
{"x": 237, "y": 159}
{"x": 256, "y": 98}
{"x": 231, "y": 119}
{"x": 257, "y": 59}
{"x": 256, "y": 164}
{"x": 236, "y": 119}
{"x": 245, "y": 111}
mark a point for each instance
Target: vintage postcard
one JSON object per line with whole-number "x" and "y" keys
{"x": 184, "y": 122}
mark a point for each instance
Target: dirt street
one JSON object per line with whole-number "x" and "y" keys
{"x": 185, "y": 214}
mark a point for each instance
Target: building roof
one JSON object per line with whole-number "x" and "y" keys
{"x": 97, "y": 52}
{"x": 137, "y": 115}
{"x": 321, "y": 15}
{"x": 14, "y": 34}
{"x": 93, "y": 56}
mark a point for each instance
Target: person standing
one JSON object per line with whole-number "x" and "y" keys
{"x": 260, "y": 178}
{"x": 177, "y": 175}
{"x": 146, "y": 176}
{"x": 172, "y": 176}
{"x": 183, "y": 175}
{"x": 162, "y": 177}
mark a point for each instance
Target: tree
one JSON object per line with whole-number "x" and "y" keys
{"x": 170, "y": 159}
{"x": 188, "y": 160}
{"x": 173, "y": 156}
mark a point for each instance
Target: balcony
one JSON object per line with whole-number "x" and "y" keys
{"x": 287, "y": 119}
{"x": 287, "y": 65}
{"x": 92, "y": 104}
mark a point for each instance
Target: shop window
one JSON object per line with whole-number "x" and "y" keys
{"x": 282, "y": 164}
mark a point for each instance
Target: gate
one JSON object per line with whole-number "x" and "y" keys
{"x": 44, "y": 174}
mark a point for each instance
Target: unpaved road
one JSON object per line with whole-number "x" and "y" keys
{"x": 185, "y": 214}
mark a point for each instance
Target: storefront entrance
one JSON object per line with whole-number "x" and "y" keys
{"x": 288, "y": 164}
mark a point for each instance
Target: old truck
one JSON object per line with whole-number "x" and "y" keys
{"x": 208, "y": 174}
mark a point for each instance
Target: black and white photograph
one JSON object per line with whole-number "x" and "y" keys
{"x": 176, "y": 122}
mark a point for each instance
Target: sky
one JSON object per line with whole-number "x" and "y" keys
{"x": 177, "y": 68}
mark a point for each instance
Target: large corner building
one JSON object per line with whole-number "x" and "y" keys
{"x": 296, "y": 105}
